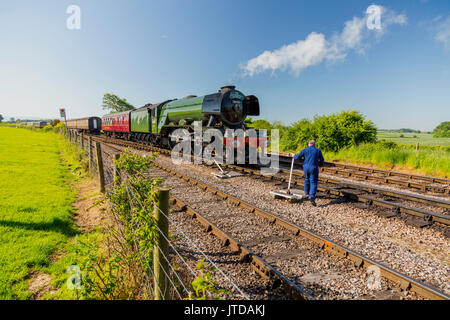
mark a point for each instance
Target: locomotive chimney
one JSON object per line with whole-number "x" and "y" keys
{"x": 226, "y": 89}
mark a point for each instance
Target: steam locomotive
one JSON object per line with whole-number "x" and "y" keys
{"x": 155, "y": 123}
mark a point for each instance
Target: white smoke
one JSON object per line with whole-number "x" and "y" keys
{"x": 316, "y": 48}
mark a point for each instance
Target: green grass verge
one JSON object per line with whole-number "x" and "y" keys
{"x": 78, "y": 253}
{"x": 427, "y": 162}
{"x": 35, "y": 205}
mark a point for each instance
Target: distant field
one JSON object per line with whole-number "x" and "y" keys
{"x": 35, "y": 206}
{"x": 424, "y": 139}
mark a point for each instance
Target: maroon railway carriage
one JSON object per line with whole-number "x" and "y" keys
{"x": 116, "y": 124}
{"x": 89, "y": 124}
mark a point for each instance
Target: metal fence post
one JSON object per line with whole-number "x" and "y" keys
{"x": 161, "y": 250}
{"x": 101, "y": 173}
{"x": 82, "y": 141}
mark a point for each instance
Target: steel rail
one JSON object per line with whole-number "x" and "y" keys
{"x": 411, "y": 176}
{"x": 368, "y": 174}
{"x": 443, "y": 203}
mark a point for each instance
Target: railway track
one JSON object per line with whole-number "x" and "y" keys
{"x": 297, "y": 232}
{"x": 440, "y": 186}
{"x": 368, "y": 195}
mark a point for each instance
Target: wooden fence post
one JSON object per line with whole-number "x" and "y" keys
{"x": 101, "y": 173}
{"x": 117, "y": 178}
{"x": 161, "y": 250}
{"x": 82, "y": 141}
{"x": 91, "y": 156}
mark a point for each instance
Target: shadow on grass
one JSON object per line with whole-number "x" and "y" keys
{"x": 57, "y": 225}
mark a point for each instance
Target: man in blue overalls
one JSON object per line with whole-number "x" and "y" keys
{"x": 313, "y": 158}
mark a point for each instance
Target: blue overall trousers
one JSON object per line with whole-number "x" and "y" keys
{"x": 313, "y": 158}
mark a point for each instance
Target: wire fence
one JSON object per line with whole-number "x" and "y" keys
{"x": 166, "y": 271}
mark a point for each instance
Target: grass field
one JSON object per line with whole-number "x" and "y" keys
{"x": 424, "y": 139}
{"x": 432, "y": 157}
{"x": 35, "y": 206}
{"x": 425, "y": 161}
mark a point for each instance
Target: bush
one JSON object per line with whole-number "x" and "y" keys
{"x": 61, "y": 128}
{"x": 47, "y": 128}
{"x": 386, "y": 144}
{"x": 442, "y": 130}
{"x": 332, "y": 133}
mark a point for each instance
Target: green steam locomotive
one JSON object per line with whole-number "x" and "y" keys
{"x": 155, "y": 123}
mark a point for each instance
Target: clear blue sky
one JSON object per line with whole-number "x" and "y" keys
{"x": 148, "y": 51}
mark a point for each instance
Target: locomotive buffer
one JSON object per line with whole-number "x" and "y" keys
{"x": 293, "y": 195}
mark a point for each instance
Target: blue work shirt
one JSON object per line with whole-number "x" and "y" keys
{"x": 313, "y": 157}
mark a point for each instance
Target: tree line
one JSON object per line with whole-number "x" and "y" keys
{"x": 331, "y": 132}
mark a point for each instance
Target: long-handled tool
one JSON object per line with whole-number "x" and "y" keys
{"x": 290, "y": 176}
{"x": 294, "y": 195}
